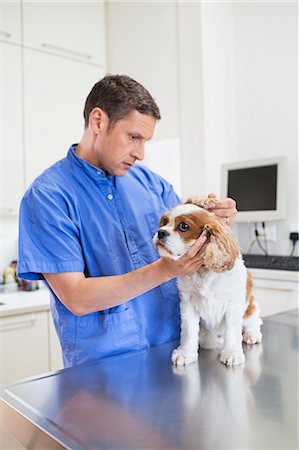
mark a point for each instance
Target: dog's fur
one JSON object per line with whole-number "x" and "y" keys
{"x": 217, "y": 305}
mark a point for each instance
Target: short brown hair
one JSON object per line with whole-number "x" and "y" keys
{"x": 118, "y": 95}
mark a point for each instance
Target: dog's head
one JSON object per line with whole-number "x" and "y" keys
{"x": 180, "y": 228}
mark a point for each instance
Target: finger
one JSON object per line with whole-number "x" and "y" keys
{"x": 225, "y": 212}
{"x": 212, "y": 195}
{"x": 196, "y": 263}
{"x": 227, "y": 203}
{"x": 197, "y": 246}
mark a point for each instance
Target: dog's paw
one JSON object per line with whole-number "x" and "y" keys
{"x": 251, "y": 338}
{"x": 180, "y": 357}
{"x": 232, "y": 357}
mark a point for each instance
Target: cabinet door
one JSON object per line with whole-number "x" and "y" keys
{"x": 275, "y": 296}
{"x": 55, "y": 90}
{"x": 54, "y": 346}
{"x": 24, "y": 346}
{"x": 10, "y": 12}
{"x": 70, "y": 29}
{"x": 12, "y": 179}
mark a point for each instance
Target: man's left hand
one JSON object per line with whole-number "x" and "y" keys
{"x": 225, "y": 208}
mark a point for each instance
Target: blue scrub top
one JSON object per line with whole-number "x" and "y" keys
{"x": 75, "y": 218}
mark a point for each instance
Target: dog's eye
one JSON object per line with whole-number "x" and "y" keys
{"x": 183, "y": 226}
{"x": 164, "y": 221}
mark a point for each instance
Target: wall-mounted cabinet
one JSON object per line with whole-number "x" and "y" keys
{"x": 69, "y": 29}
{"x": 12, "y": 159}
{"x": 52, "y": 54}
{"x": 55, "y": 90}
{"x": 10, "y": 28}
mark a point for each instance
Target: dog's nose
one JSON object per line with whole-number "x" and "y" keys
{"x": 162, "y": 234}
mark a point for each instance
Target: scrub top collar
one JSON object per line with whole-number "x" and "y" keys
{"x": 93, "y": 171}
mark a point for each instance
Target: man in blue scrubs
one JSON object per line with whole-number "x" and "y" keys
{"x": 86, "y": 228}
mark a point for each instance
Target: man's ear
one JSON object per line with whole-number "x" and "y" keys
{"x": 98, "y": 119}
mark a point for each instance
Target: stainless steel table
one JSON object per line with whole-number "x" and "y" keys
{"x": 139, "y": 400}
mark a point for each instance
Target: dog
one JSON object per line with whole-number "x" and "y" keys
{"x": 217, "y": 307}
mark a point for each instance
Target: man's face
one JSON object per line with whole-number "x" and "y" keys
{"x": 119, "y": 147}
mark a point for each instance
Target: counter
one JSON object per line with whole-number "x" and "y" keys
{"x": 139, "y": 400}
{"x": 19, "y": 302}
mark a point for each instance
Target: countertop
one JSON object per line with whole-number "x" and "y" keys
{"x": 20, "y": 302}
{"x": 139, "y": 400}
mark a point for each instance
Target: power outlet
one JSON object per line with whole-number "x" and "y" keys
{"x": 268, "y": 233}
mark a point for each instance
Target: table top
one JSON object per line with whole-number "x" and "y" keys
{"x": 139, "y": 400}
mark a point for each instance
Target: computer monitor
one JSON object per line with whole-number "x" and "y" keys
{"x": 259, "y": 188}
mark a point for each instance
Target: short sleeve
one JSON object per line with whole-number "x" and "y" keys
{"x": 49, "y": 240}
{"x": 170, "y": 197}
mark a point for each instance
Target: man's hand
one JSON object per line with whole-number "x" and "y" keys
{"x": 224, "y": 208}
{"x": 190, "y": 262}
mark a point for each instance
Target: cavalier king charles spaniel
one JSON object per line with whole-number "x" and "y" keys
{"x": 217, "y": 307}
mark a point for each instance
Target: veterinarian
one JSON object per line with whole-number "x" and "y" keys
{"x": 86, "y": 228}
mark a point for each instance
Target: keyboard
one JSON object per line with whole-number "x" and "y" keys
{"x": 272, "y": 262}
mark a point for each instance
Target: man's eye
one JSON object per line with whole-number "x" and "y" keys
{"x": 133, "y": 138}
{"x": 182, "y": 226}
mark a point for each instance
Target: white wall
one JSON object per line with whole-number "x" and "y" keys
{"x": 219, "y": 96}
{"x": 158, "y": 43}
{"x": 266, "y": 68}
{"x": 235, "y": 67}
{"x": 142, "y": 43}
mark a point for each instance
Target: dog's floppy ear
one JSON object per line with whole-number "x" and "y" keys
{"x": 222, "y": 249}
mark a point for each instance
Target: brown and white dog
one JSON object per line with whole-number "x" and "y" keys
{"x": 217, "y": 306}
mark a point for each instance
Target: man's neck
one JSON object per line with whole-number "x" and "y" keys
{"x": 85, "y": 151}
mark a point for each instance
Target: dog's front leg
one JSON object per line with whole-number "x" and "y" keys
{"x": 187, "y": 352}
{"x": 233, "y": 354}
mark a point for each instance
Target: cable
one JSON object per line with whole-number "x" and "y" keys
{"x": 294, "y": 237}
{"x": 265, "y": 237}
{"x": 293, "y": 249}
{"x": 258, "y": 241}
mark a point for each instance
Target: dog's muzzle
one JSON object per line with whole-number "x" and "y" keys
{"x": 162, "y": 234}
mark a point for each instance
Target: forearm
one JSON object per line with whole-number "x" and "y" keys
{"x": 83, "y": 295}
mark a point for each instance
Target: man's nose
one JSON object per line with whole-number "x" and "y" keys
{"x": 162, "y": 234}
{"x": 138, "y": 152}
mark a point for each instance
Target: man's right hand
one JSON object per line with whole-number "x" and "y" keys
{"x": 190, "y": 262}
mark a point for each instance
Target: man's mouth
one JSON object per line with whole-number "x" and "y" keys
{"x": 128, "y": 165}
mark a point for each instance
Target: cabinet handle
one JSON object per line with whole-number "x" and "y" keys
{"x": 274, "y": 289}
{"x": 5, "y": 34}
{"x": 17, "y": 322}
{"x": 66, "y": 51}
{"x": 6, "y": 210}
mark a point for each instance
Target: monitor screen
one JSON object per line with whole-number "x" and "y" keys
{"x": 259, "y": 188}
{"x": 254, "y": 188}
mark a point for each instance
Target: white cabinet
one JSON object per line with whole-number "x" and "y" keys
{"x": 52, "y": 53}
{"x": 12, "y": 161}
{"x": 275, "y": 291}
{"x": 29, "y": 344}
{"x": 10, "y": 12}
{"x": 55, "y": 354}
{"x": 70, "y": 29}
{"x": 55, "y": 90}
{"x": 23, "y": 344}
